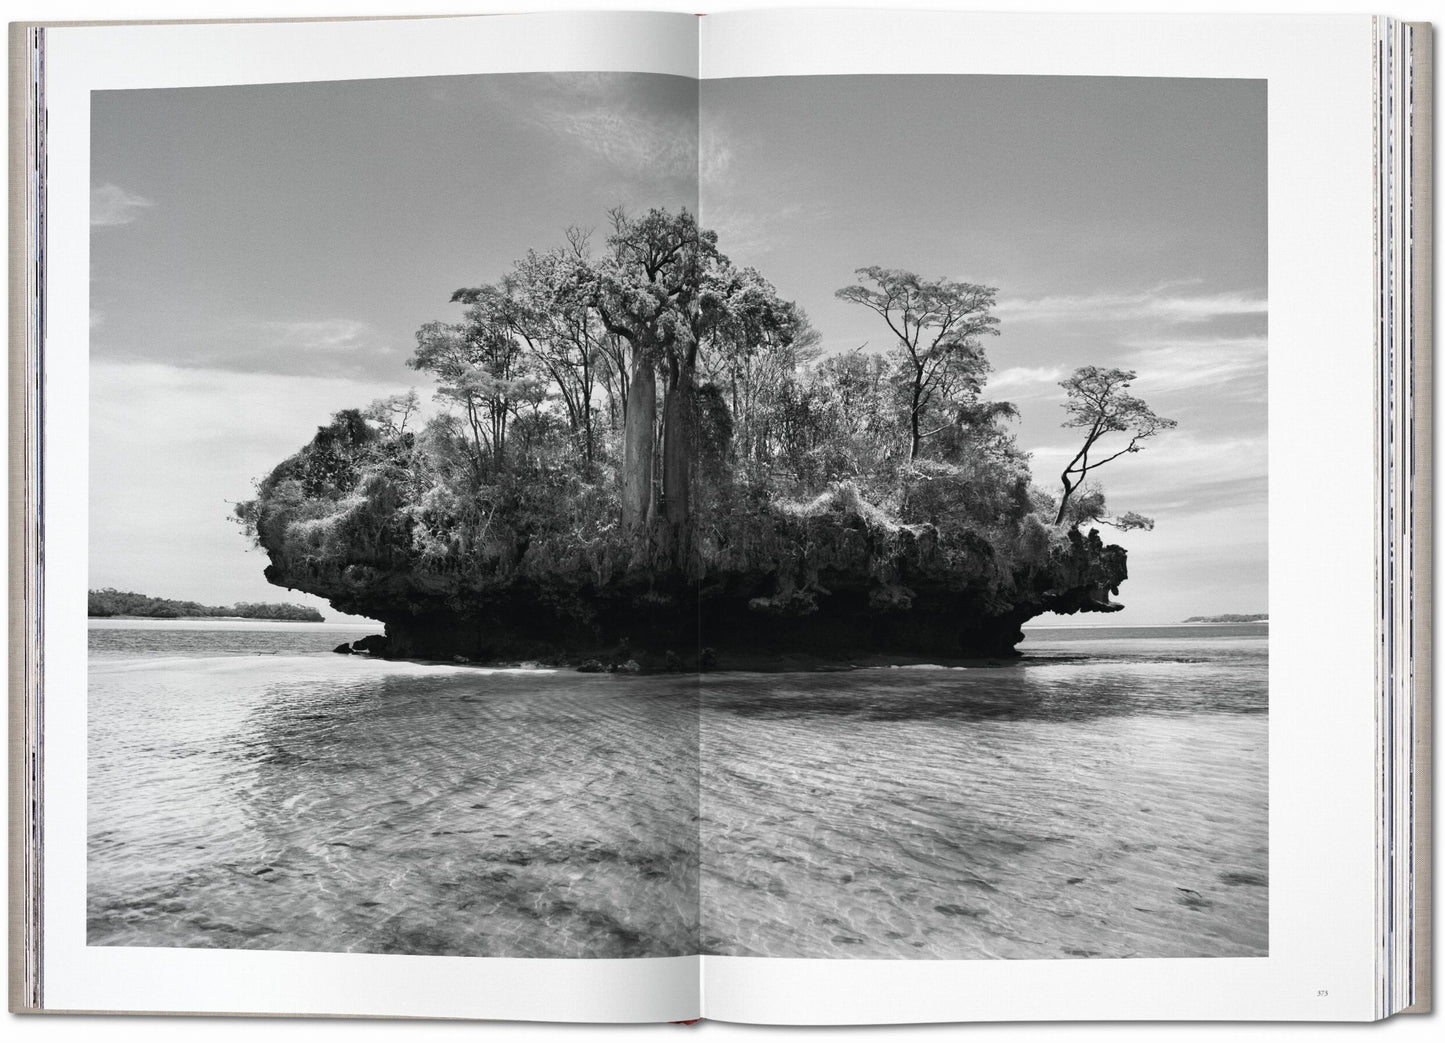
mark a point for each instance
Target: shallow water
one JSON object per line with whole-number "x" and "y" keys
{"x": 1106, "y": 797}
{"x": 112, "y": 639}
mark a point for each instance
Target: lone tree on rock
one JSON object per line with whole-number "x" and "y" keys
{"x": 937, "y": 323}
{"x": 1099, "y": 403}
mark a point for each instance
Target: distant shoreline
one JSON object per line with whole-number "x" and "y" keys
{"x": 109, "y": 603}
{"x": 219, "y": 619}
{"x": 1145, "y": 626}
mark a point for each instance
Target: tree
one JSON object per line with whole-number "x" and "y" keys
{"x": 392, "y": 412}
{"x": 844, "y": 422}
{"x": 937, "y": 323}
{"x": 751, "y": 355}
{"x": 664, "y": 289}
{"x": 1098, "y": 403}
{"x": 1088, "y": 506}
{"x": 644, "y": 291}
{"x": 482, "y": 365}
{"x": 560, "y": 330}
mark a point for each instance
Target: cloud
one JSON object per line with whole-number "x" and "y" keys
{"x": 1178, "y": 365}
{"x": 1163, "y": 366}
{"x": 331, "y": 336}
{"x": 609, "y": 118}
{"x": 715, "y": 158}
{"x": 751, "y": 222}
{"x": 203, "y": 435}
{"x": 299, "y": 347}
{"x": 1210, "y": 497}
{"x": 111, "y": 205}
{"x": 1209, "y": 458}
{"x": 1026, "y": 379}
{"x": 1176, "y": 473}
{"x": 1162, "y": 303}
{"x": 748, "y": 236}
{"x": 632, "y": 143}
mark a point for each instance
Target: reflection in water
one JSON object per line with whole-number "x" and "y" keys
{"x": 1105, "y": 798}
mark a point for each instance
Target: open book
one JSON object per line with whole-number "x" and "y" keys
{"x": 839, "y": 517}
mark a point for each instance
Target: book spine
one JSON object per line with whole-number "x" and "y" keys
{"x": 27, "y": 329}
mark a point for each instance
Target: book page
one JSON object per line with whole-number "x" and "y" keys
{"x": 1122, "y": 266}
{"x": 253, "y": 228}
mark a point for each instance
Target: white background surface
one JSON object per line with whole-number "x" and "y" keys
{"x": 63, "y": 1028}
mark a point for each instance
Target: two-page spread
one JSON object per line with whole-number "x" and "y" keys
{"x": 800, "y": 517}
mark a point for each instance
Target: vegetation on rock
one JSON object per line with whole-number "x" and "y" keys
{"x": 642, "y": 442}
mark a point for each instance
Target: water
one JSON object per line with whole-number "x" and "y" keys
{"x": 1106, "y": 797}
{"x": 112, "y": 639}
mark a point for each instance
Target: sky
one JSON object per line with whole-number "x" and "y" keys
{"x": 263, "y": 255}
{"x": 1122, "y": 221}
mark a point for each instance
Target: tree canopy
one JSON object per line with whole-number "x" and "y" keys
{"x": 635, "y": 404}
{"x": 937, "y": 324}
{"x": 1098, "y": 402}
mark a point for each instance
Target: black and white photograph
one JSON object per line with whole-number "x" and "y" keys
{"x": 593, "y": 514}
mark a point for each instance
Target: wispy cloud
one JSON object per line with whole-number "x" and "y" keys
{"x": 598, "y": 116}
{"x": 111, "y": 205}
{"x": 331, "y": 336}
{"x": 1018, "y": 379}
{"x": 628, "y": 141}
{"x": 1184, "y": 364}
{"x": 1162, "y": 303}
{"x": 747, "y": 236}
{"x": 1176, "y": 471}
{"x": 1163, "y": 365}
{"x": 749, "y": 225}
{"x": 300, "y": 347}
{"x": 714, "y": 158}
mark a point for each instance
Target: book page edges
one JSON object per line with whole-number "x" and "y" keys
{"x": 1422, "y": 289}
{"x": 24, "y": 866}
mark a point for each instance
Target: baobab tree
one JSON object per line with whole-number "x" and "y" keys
{"x": 937, "y": 323}
{"x": 1098, "y": 403}
{"x": 664, "y": 288}
{"x": 643, "y": 290}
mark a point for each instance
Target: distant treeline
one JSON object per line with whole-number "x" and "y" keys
{"x": 1231, "y": 617}
{"x": 112, "y": 602}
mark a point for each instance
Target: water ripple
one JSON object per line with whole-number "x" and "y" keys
{"x": 1069, "y": 806}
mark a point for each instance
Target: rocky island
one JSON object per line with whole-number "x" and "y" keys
{"x": 643, "y": 454}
